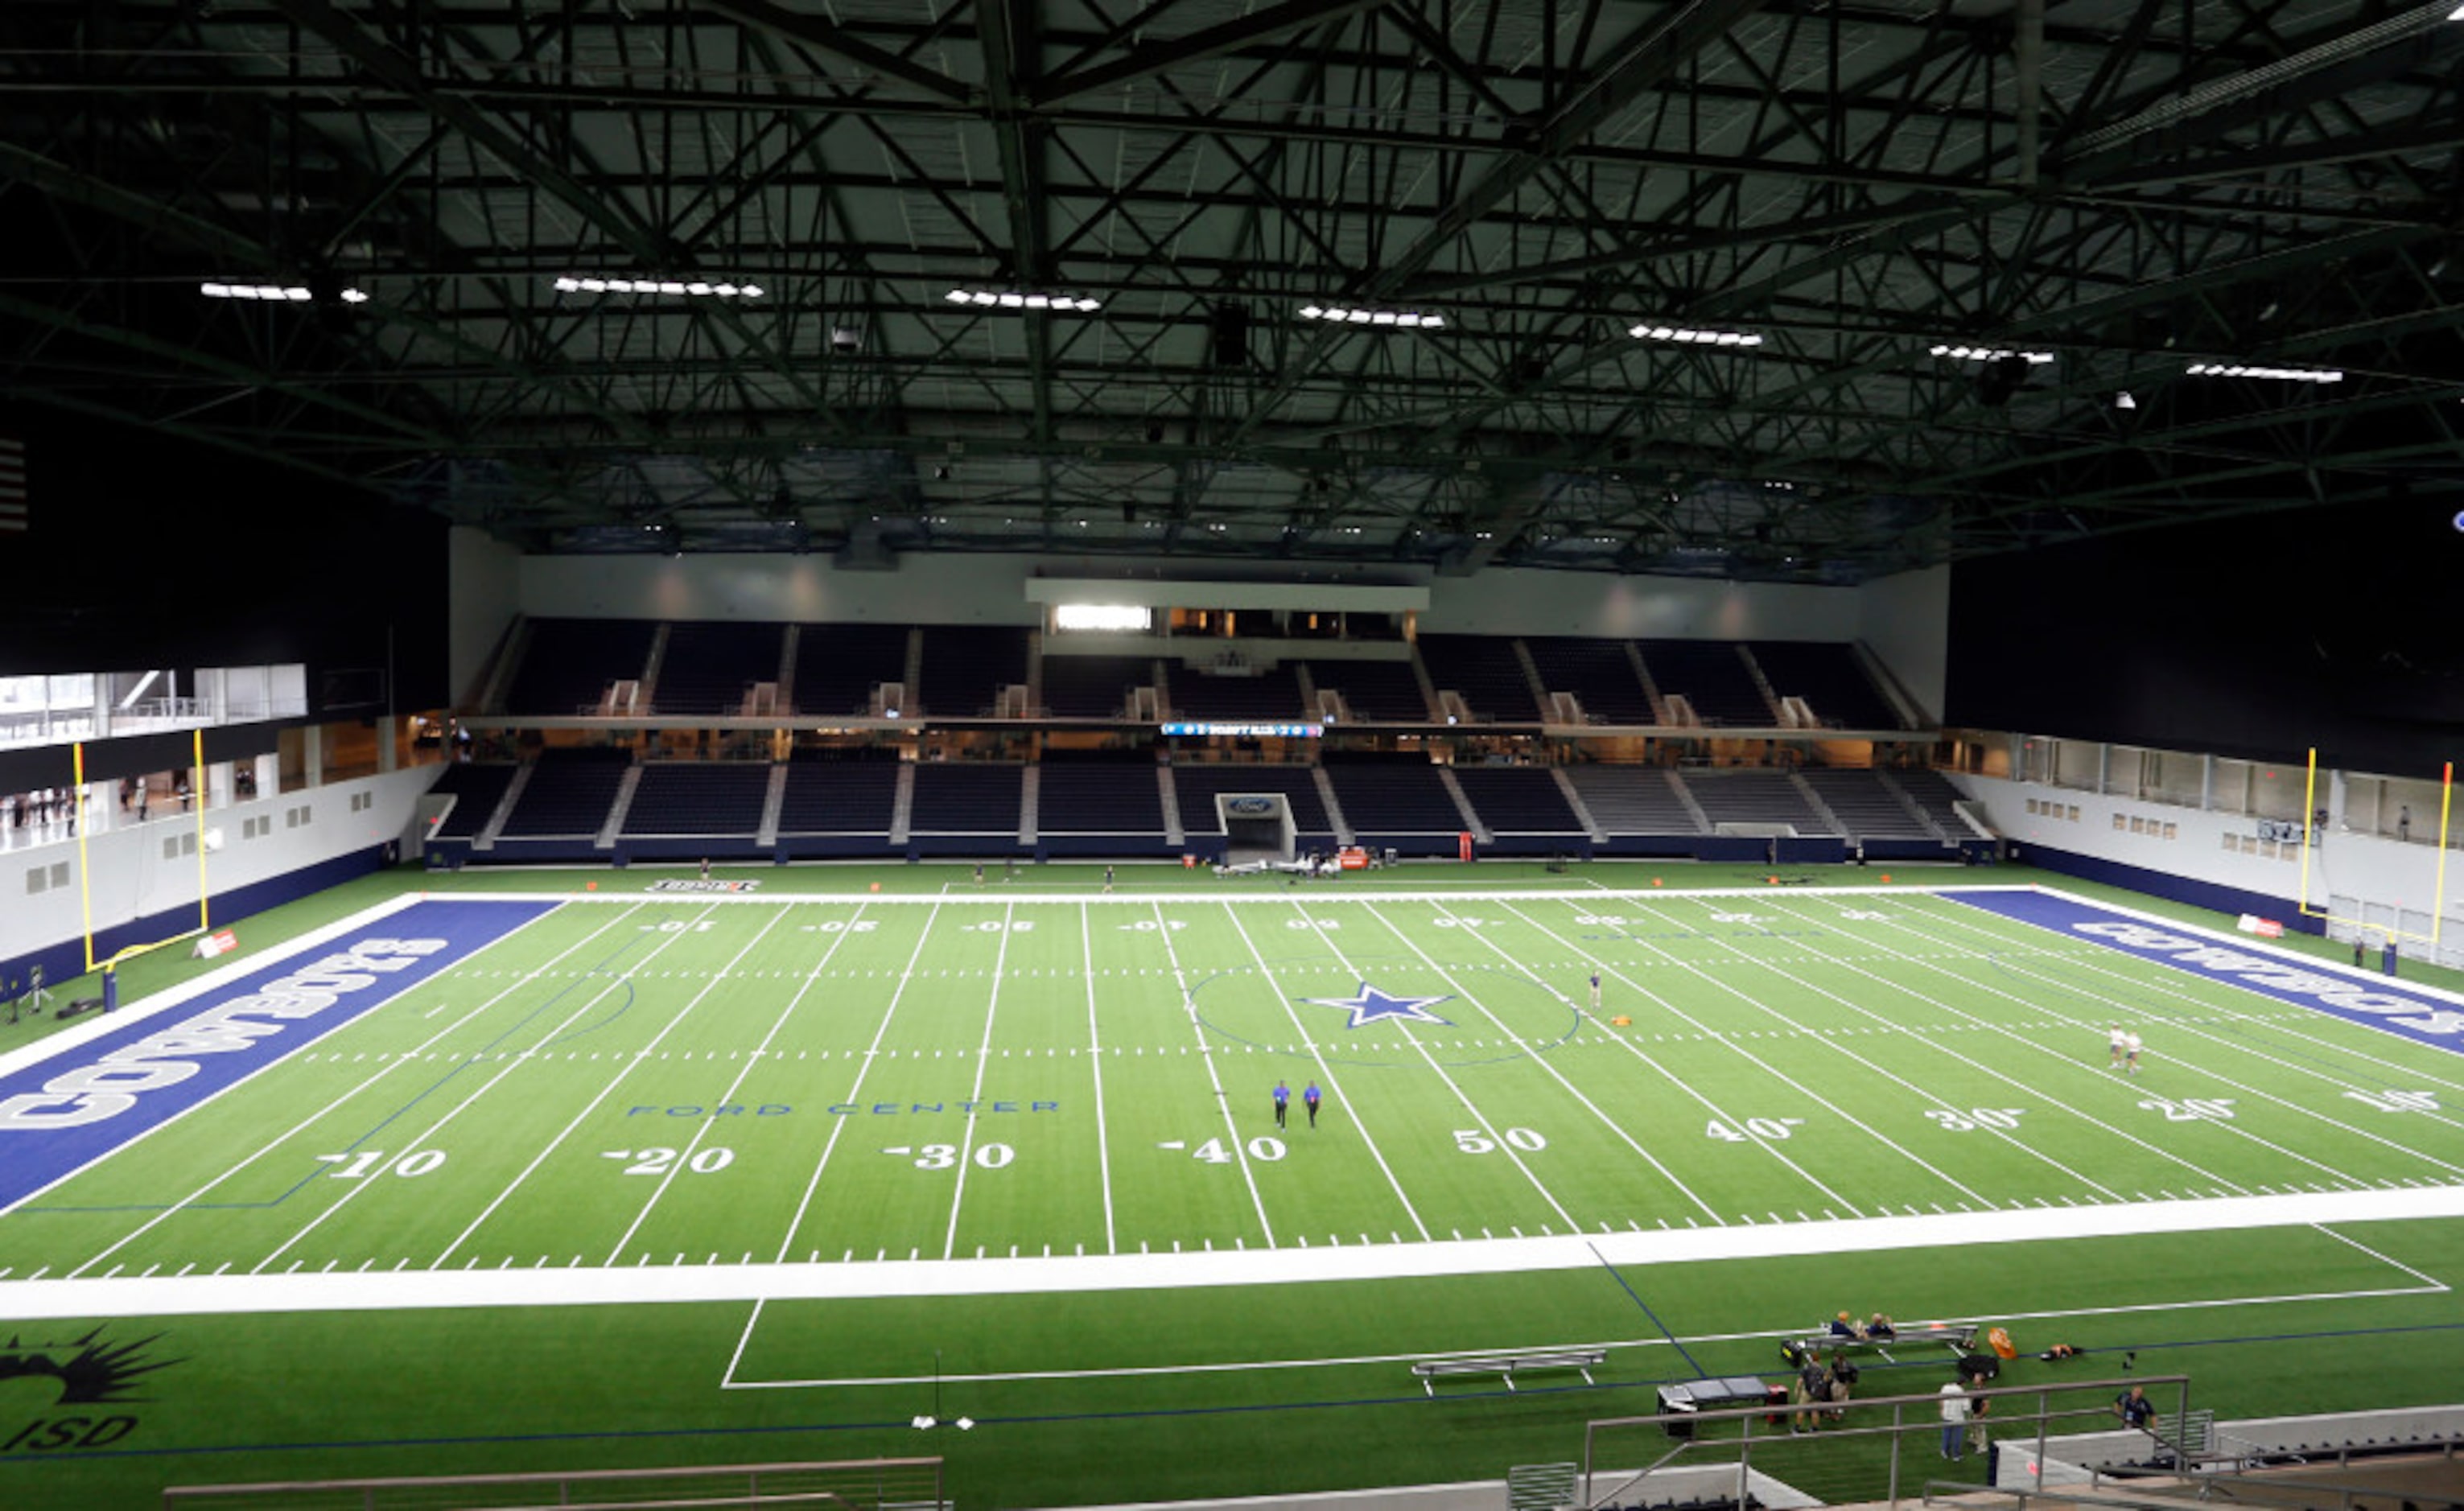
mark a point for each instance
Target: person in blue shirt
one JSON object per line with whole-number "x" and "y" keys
{"x": 1596, "y": 991}
{"x": 1282, "y": 1102}
{"x": 1310, "y": 1097}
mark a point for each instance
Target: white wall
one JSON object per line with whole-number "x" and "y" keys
{"x": 133, "y": 879}
{"x": 485, "y": 594}
{"x": 991, "y": 589}
{"x": 1905, "y": 620}
{"x": 2344, "y": 864}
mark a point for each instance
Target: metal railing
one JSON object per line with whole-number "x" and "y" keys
{"x": 1860, "y": 1450}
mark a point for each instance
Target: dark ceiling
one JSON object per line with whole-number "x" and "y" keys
{"x": 2128, "y": 190}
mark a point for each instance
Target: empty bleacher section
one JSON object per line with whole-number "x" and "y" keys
{"x": 1271, "y": 695}
{"x": 1486, "y": 670}
{"x": 1935, "y": 798}
{"x": 1828, "y": 676}
{"x": 1202, "y": 821}
{"x": 1524, "y": 808}
{"x": 1874, "y": 815}
{"x": 1376, "y": 692}
{"x": 1099, "y": 803}
{"x": 966, "y": 668}
{"x": 1763, "y": 799}
{"x": 564, "y": 804}
{"x": 708, "y": 668}
{"x": 966, "y": 808}
{"x": 1092, "y": 686}
{"x": 682, "y": 809}
{"x": 475, "y": 791}
{"x": 1639, "y": 808}
{"x": 567, "y": 664}
{"x": 838, "y": 803}
{"x": 1710, "y": 675}
{"x": 1397, "y": 803}
{"x": 1601, "y": 673}
{"x": 838, "y": 666}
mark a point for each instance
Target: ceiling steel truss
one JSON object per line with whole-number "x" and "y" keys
{"x": 1040, "y": 275}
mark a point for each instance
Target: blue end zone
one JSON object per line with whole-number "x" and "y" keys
{"x": 94, "y": 1097}
{"x": 2373, "y": 1002}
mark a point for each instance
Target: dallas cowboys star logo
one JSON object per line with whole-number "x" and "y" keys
{"x": 1373, "y": 1004}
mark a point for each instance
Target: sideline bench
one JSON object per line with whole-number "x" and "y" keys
{"x": 1508, "y": 1364}
{"x": 1959, "y": 1338}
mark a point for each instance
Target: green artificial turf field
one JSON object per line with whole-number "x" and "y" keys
{"x": 660, "y": 1176}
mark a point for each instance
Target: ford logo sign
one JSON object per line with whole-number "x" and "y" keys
{"x": 1249, "y": 807}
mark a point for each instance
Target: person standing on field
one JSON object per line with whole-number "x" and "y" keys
{"x": 1283, "y": 1102}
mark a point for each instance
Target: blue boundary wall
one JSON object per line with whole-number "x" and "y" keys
{"x": 66, "y": 960}
{"x": 2214, "y": 895}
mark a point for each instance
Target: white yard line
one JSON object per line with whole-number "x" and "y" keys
{"x": 1222, "y": 1103}
{"x": 1096, "y": 1048}
{"x": 752, "y": 1062}
{"x": 976, "y": 1097}
{"x": 626, "y": 1068}
{"x": 1495, "y": 1135}
{"x": 305, "y": 1122}
{"x": 863, "y": 1069}
{"x": 1729, "y": 1043}
{"x": 2019, "y": 1087}
{"x": 2172, "y": 983}
{"x": 1317, "y": 1055}
{"x": 2090, "y": 1028}
{"x": 1541, "y": 1060}
{"x": 30, "y": 1301}
{"x": 1683, "y": 1087}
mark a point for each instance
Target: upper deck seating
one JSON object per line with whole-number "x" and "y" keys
{"x": 838, "y": 666}
{"x": 1828, "y": 676}
{"x": 1486, "y": 670}
{"x": 1376, "y": 692}
{"x": 1601, "y": 673}
{"x": 1272, "y": 696}
{"x": 1093, "y": 687}
{"x": 709, "y": 667}
{"x": 568, "y": 663}
{"x": 1710, "y": 675}
{"x": 965, "y": 666}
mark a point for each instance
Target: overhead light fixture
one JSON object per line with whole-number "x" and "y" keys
{"x": 579, "y": 283}
{"x": 2125, "y": 401}
{"x": 1990, "y": 354}
{"x": 2247, "y": 370}
{"x": 270, "y": 292}
{"x": 1685, "y": 335}
{"x": 1019, "y": 299}
{"x": 1347, "y": 314}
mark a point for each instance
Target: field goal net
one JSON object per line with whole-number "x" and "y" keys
{"x": 869, "y": 1484}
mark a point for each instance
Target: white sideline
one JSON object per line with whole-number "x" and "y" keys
{"x": 32, "y": 1300}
